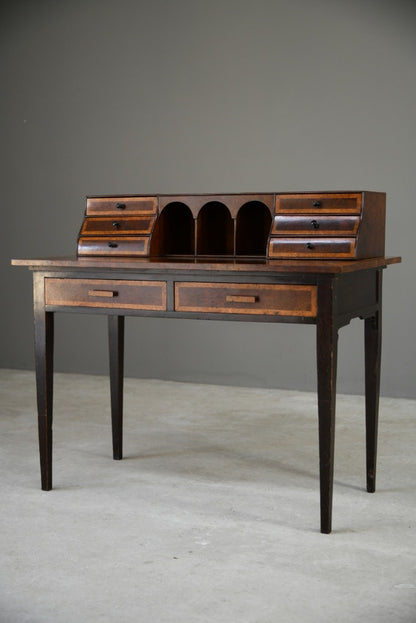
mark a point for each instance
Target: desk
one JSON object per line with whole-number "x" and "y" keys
{"x": 326, "y": 293}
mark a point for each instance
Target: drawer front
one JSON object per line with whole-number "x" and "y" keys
{"x": 121, "y": 205}
{"x": 284, "y": 224}
{"x": 117, "y": 225}
{"x": 114, "y": 246}
{"x": 237, "y": 298}
{"x": 319, "y": 203}
{"x": 317, "y": 248}
{"x": 110, "y": 293}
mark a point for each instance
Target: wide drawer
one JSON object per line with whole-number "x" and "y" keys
{"x": 318, "y": 225}
{"x": 117, "y": 225}
{"x": 319, "y": 203}
{"x": 110, "y": 293}
{"x": 318, "y": 248}
{"x": 240, "y": 298}
{"x": 121, "y": 205}
{"x": 113, "y": 246}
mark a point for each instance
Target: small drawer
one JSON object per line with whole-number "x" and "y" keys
{"x": 121, "y": 205}
{"x": 240, "y": 298}
{"x": 110, "y": 293}
{"x": 99, "y": 226}
{"x": 319, "y": 203}
{"x": 317, "y": 248}
{"x": 114, "y": 246}
{"x": 317, "y": 225}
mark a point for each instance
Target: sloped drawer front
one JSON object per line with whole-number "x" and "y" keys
{"x": 101, "y": 226}
{"x": 284, "y": 224}
{"x": 116, "y": 246}
{"x": 317, "y": 248}
{"x": 237, "y": 298}
{"x": 109, "y": 293}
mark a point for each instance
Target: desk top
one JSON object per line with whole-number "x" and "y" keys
{"x": 208, "y": 264}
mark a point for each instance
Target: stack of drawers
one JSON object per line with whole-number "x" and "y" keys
{"x": 328, "y": 226}
{"x": 117, "y": 226}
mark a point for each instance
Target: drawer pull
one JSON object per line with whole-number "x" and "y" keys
{"x": 120, "y": 206}
{"x": 116, "y": 224}
{"x": 315, "y": 224}
{"x": 113, "y": 245}
{"x": 236, "y": 298}
{"x": 316, "y": 204}
{"x": 309, "y": 245}
{"x": 107, "y": 293}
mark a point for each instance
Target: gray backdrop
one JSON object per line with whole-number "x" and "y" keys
{"x": 200, "y": 96}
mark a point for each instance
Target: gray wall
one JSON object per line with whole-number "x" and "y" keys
{"x": 159, "y": 96}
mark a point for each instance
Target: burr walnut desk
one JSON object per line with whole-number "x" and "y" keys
{"x": 308, "y": 258}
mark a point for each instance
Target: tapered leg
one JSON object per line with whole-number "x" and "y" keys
{"x": 372, "y": 392}
{"x": 327, "y": 348}
{"x": 44, "y": 322}
{"x": 116, "y": 351}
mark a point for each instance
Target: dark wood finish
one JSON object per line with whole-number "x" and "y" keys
{"x": 103, "y": 226}
{"x": 124, "y": 294}
{"x": 337, "y": 225}
{"x": 44, "y": 338}
{"x": 327, "y": 349}
{"x": 319, "y": 203}
{"x": 315, "y": 224}
{"x": 312, "y": 247}
{"x": 116, "y": 356}
{"x": 372, "y": 386}
{"x": 233, "y": 202}
{"x": 225, "y": 298}
{"x": 116, "y": 245}
{"x": 174, "y": 232}
{"x": 173, "y": 280}
{"x": 182, "y": 264}
{"x": 121, "y": 205}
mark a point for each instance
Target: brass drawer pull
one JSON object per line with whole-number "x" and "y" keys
{"x": 236, "y": 298}
{"x": 107, "y": 293}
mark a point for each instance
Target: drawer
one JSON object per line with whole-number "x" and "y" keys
{"x": 114, "y": 246}
{"x": 318, "y": 248}
{"x": 121, "y": 205}
{"x": 341, "y": 225}
{"x": 117, "y": 225}
{"x": 319, "y": 203}
{"x": 240, "y": 298}
{"x": 110, "y": 293}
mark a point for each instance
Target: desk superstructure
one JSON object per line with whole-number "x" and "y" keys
{"x": 309, "y": 258}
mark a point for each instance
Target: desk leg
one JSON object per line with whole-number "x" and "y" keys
{"x": 44, "y": 322}
{"x": 116, "y": 352}
{"x": 327, "y": 348}
{"x": 372, "y": 391}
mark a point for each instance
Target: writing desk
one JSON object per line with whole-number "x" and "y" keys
{"x": 327, "y": 294}
{"x": 306, "y": 258}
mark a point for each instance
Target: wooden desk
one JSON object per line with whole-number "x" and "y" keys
{"x": 322, "y": 292}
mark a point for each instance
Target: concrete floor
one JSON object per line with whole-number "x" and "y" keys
{"x": 212, "y": 516}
